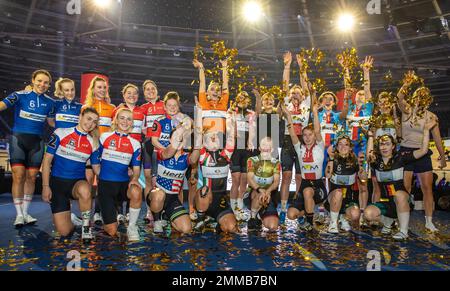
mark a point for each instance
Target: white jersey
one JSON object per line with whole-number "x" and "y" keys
{"x": 311, "y": 161}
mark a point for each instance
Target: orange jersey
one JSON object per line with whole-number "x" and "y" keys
{"x": 105, "y": 110}
{"x": 214, "y": 112}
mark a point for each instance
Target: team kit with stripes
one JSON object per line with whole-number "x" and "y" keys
{"x": 113, "y": 159}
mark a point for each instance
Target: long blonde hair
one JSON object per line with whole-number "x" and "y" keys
{"x": 58, "y": 86}
{"x": 89, "y": 102}
{"x": 114, "y": 124}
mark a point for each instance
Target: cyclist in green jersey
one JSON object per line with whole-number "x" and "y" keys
{"x": 263, "y": 180}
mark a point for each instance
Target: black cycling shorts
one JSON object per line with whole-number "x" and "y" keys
{"x": 289, "y": 157}
{"x": 26, "y": 150}
{"x": 61, "y": 194}
{"x": 110, "y": 195}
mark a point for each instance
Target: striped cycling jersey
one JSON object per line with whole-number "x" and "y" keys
{"x": 71, "y": 150}
{"x": 118, "y": 152}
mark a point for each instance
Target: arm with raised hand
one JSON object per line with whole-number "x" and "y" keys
{"x": 341, "y": 62}
{"x": 347, "y": 96}
{"x": 367, "y": 66}
{"x": 316, "y": 123}
{"x": 225, "y": 77}
{"x": 288, "y": 117}
{"x": 402, "y": 105}
{"x": 258, "y": 105}
{"x": 303, "y": 76}
{"x": 287, "y": 58}
{"x": 201, "y": 75}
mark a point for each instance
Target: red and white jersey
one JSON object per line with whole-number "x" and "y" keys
{"x": 300, "y": 115}
{"x": 152, "y": 112}
{"x": 311, "y": 160}
{"x": 138, "y": 121}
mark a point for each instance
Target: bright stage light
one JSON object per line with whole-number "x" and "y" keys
{"x": 102, "y": 3}
{"x": 346, "y": 22}
{"x": 252, "y": 11}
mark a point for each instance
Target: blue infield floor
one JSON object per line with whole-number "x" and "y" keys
{"x": 38, "y": 248}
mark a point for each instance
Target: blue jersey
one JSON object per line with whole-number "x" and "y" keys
{"x": 71, "y": 150}
{"x": 31, "y": 111}
{"x": 118, "y": 152}
{"x": 67, "y": 113}
{"x": 171, "y": 173}
{"x": 162, "y": 129}
{"x": 330, "y": 123}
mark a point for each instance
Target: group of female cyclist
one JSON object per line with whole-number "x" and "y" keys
{"x": 97, "y": 152}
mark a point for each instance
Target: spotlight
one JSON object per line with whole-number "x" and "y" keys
{"x": 252, "y": 11}
{"x": 176, "y": 53}
{"x": 102, "y": 3}
{"x": 346, "y": 22}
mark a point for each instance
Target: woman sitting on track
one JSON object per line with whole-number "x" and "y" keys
{"x": 389, "y": 169}
{"x": 173, "y": 163}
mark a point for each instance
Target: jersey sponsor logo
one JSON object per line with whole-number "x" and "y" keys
{"x": 117, "y": 157}
{"x": 310, "y": 168}
{"x": 390, "y": 176}
{"x": 32, "y": 116}
{"x": 261, "y": 181}
{"x": 72, "y": 154}
{"x": 170, "y": 174}
{"x": 67, "y": 118}
{"x": 164, "y": 137}
{"x": 215, "y": 172}
{"x": 345, "y": 180}
{"x": 214, "y": 114}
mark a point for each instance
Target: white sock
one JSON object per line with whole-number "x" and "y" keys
{"x": 334, "y": 216}
{"x": 86, "y": 217}
{"x": 284, "y": 205}
{"x": 240, "y": 203}
{"x": 403, "y": 220}
{"x": 428, "y": 220}
{"x": 134, "y": 215}
{"x": 233, "y": 203}
{"x": 26, "y": 203}
{"x": 18, "y": 203}
{"x": 387, "y": 221}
